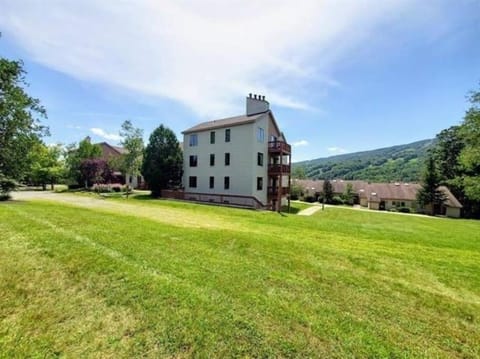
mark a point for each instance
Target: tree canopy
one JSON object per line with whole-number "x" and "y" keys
{"x": 429, "y": 194}
{"x": 132, "y": 142}
{"x": 20, "y": 114}
{"x": 162, "y": 162}
{"x": 457, "y": 156}
{"x": 47, "y": 166}
{"x": 75, "y": 155}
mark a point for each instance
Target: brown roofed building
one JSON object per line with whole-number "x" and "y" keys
{"x": 385, "y": 196}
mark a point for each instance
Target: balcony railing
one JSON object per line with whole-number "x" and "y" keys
{"x": 279, "y": 146}
{"x": 278, "y": 169}
{"x": 273, "y": 191}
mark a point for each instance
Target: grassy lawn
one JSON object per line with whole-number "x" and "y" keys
{"x": 160, "y": 278}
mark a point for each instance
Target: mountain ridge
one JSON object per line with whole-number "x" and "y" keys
{"x": 386, "y": 164}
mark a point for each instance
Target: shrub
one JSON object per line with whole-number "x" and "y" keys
{"x": 4, "y": 197}
{"x": 6, "y": 186}
{"x": 309, "y": 199}
{"x": 404, "y": 210}
{"x": 337, "y": 200}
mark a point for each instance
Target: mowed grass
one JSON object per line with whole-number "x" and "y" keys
{"x": 161, "y": 278}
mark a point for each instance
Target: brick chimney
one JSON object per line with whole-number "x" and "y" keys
{"x": 256, "y": 104}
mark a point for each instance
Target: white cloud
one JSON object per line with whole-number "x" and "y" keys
{"x": 300, "y": 143}
{"x": 336, "y": 150}
{"x": 108, "y": 136}
{"x": 205, "y": 54}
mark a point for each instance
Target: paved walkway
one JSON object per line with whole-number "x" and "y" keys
{"x": 309, "y": 211}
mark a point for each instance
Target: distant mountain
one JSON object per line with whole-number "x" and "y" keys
{"x": 396, "y": 163}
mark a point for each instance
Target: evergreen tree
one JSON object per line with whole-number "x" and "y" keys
{"x": 327, "y": 191}
{"x": 429, "y": 194}
{"x": 162, "y": 162}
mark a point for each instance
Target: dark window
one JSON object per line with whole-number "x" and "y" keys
{"x": 260, "y": 159}
{"x": 226, "y": 182}
{"x": 212, "y": 182}
{"x": 227, "y": 135}
{"x": 227, "y": 159}
{"x": 212, "y": 159}
{"x": 192, "y": 182}
{"x": 212, "y": 137}
{"x": 259, "y": 183}
{"x": 193, "y": 140}
{"x": 193, "y": 161}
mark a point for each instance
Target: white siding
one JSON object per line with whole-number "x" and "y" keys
{"x": 243, "y": 169}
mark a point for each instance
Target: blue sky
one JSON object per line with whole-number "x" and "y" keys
{"x": 341, "y": 76}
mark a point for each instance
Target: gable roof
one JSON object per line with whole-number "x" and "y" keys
{"x": 375, "y": 192}
{"x": 115, "y": 149}
{"x": 451, "y": 200}
{"x": 225, "y": 122}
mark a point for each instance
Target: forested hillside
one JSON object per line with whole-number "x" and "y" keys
{"x": 396, "y": 163}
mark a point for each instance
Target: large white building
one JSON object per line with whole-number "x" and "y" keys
{"x": 242, "y": 160}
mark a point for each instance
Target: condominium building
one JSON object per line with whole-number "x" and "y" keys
{"x": 242, "y": 160}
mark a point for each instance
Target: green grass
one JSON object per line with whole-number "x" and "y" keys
{"x": 161, "y": 278}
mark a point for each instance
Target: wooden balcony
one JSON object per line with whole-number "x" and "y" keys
{"x": 278, "y": 169}
{"x": 273, "y": 191}
{"x": 279, "y": 147}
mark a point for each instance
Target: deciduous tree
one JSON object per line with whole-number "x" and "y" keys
{"x": 132, "y": 141}
{"x": 75, "y": 155}
{"x": 46, "y": 165}
{"x": 20, "y": 127}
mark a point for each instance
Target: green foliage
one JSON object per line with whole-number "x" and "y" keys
{"x": 327, "y": 193}
{"x": 76, "y": 155}
{"x": 20, "y": 127}
{"x": 336, "y": 200}
{"x": 299, "y": 172}
{"x": 132, "y": 142}
{"x": 457, "y": 155}
{"x": 46, "y": 165}
{"x": 296, "y": 191}
{"x": 162, "y": 163}
{"x": 429, "y": 194}
{"x": 470, "y": 155}
{"x": 397, "y": 163}
{"x": 6, "y": 186}
{"x": 348, "y": 195}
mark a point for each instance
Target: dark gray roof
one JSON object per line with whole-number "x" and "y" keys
{"x": 225, "y": 122}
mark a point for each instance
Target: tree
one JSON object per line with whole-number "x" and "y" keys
{"x": 429, "y": 194}
{"x": 95, "y": 171}
{"x": 470, "y": 155}
{"x": 133, "y": 144}
{"x": 46, "y": 165}
{"x": 162, "y": 163}
{"x": 449, "y": 145}
{"x": 327, "y": 191}
{"x": 74, "y": 157}
{"x": 348, "y": 194}
{"x": 20, "y": 128}
{"x": 299, "y": 172}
